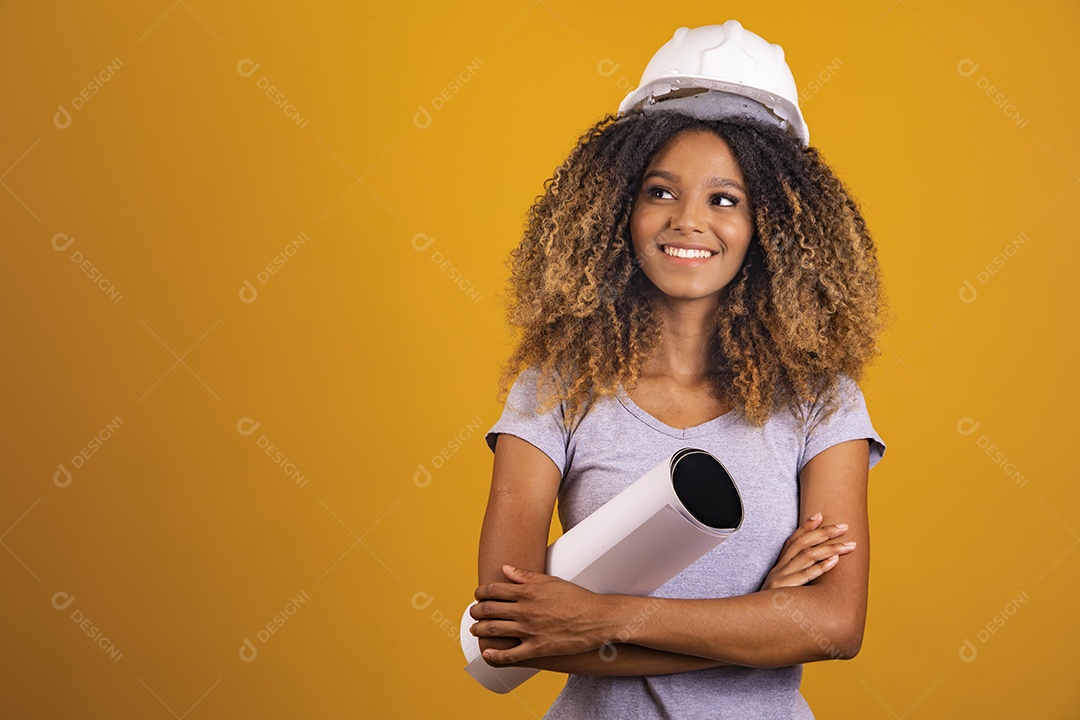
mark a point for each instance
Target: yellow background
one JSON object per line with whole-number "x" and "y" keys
{"x": 364, "y": 359}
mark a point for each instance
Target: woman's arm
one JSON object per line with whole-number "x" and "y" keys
{"x": 806, "y": 555}
{"x": 821, "y": 620}
{"x": 524, "y": 485}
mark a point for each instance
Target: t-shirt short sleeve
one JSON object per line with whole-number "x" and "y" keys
{"x": 850, "y": 421}
{"x": 520, "y": 418}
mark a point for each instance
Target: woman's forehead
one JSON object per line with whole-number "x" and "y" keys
{"x": 696, "y": 152}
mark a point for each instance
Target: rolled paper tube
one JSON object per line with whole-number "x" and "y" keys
{"x": 635, "y": 542}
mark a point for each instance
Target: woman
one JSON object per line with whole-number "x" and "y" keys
{"x": 701, "y": 276}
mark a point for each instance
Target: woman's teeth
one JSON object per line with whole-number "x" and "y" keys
{"x": 684, "y": 253}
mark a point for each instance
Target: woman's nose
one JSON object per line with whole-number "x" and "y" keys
{"x": 688, "y": 218}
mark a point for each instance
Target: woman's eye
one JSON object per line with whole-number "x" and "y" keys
{"x": 725, "y": 200}
{"x": 658, "y": 192}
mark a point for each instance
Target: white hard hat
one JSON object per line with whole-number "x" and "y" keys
{"x": 726, "y": 64}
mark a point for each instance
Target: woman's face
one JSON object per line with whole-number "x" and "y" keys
{"x": 693, "y": 196}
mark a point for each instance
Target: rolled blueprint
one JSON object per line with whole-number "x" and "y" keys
{"x": 634, "y": 543}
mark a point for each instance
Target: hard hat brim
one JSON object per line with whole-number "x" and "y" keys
{"x": 783, "y": 108}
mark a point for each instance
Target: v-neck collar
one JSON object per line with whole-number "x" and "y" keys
{"x": 694, "y": 431}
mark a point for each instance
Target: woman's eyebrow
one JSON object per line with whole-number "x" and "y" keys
{"x": 725, "y": 182}
{"x": 713, "y": 182}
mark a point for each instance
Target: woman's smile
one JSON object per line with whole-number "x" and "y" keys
{"x": 686, "y": 256}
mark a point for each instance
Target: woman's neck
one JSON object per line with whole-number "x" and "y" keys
{"x": 686, "y": 338}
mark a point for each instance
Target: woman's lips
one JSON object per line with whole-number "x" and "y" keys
{"x": 696, "y": 256}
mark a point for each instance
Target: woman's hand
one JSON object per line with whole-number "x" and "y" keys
{"x": 808, "y": 554}
{"x": 550, "y": 615}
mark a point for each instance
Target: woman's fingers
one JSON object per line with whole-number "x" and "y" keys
{"x": 807, "y": 539}
{"x": 510, "y": 656}
{"x": 805, "y": 575}
{"x": 495, "y": 628}
{"x": 821, "y": 534}
{"x": 817, "y": 553}
{"x": 809, "y": 564}
{"x": 809, "y": 524}
{"x": 493, "y": 609}
{"x": 499, "y": 591}
{"x": 497, "y": 643}
{"x": 804, "y": 553}
{"x": 816, "y": 570}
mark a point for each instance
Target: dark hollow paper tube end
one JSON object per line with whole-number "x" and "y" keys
{"x": 705, "y": 488}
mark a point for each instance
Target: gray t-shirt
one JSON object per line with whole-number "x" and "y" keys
{"x": 614, "y": 444}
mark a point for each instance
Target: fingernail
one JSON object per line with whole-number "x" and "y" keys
{"x": 849, "y": 544}
{"x": 841, "y": 526}
{"x": 816, "y": 516}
